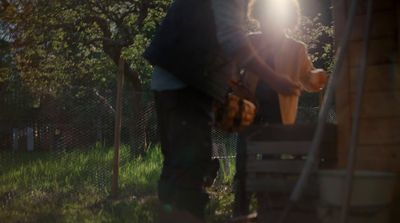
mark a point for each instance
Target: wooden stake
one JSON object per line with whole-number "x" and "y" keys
{"x": 117, "y": 130}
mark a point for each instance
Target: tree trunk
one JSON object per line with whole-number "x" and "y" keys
{"x": 137, "y": 132}
{"x": 117, "y": 131}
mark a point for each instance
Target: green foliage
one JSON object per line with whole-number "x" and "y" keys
{"x": 68, "y": 51}
{"x": 318, "y": 36}
{"x": 59, "y": 44}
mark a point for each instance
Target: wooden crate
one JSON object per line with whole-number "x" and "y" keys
{"x": 275, "y": 157}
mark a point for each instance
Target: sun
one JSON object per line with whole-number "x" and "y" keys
{"x": 278, "y": 11}
{"x": 280, "y": 7}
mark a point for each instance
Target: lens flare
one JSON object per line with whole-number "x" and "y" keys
{"x": 278, "y": 11}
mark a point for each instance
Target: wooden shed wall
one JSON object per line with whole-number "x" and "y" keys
{"x": 379, "y": 143}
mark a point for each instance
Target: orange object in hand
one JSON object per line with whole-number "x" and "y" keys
{"x": 234, "y": 114}
{"x": 288, "y": 106}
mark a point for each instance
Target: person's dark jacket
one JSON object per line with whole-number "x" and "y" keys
{"x": 186, "y": 45}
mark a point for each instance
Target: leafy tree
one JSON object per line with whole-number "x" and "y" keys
{"x": 58, "y": 43}
{"x": 70, "y": 49}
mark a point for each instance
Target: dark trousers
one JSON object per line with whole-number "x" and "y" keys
{"x": 268, "y": 111}
{"x": 185, "y": 129}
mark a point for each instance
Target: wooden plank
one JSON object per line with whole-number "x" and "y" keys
{"x": 284, "y": 147}
{"x": 379, "y": 158}
{"x": 303, "y": 132}
{"x": 255, "y": 150}
{"x": 396, "y": 168}
{"x": 381, "y": 25}
{"x": 379, "y": 6}
{"x": 378, "y": 131}
{"x": 372, "y": 165}
{"x": 275, "y": 215}
{"x": 379, "y": 104}
{"x": 381, "y": 51}
{"x": 273, "y": 166}
{"x": 398, "y": 21}
{"x": 282, "y": 184}
{"x": 269, "y": 184}
{"x": 340, "y": 8}
{"x": 378, "y": 78}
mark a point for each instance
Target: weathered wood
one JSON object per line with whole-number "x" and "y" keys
{"x": 244, "y": 219}
{"x": 382, "y": 51}
{"x": 274, "y": 166}
{"x": 380, "y": 104}
{"x": 378, "y": 144}
{"x": 288, "y": 148}
{"x": 386, "y": 159}
{"x": 380, "y": 131}
{"x": 379, "y": 78}
{"x": 281, "y": 147}
{"x": 291, "y": 133}
{"x": 309, "y": 216}
{"x": 282, "y": 184}
{"x": 381, "y": 25}
{"x": 273, "y": 186}
{"x": 379, "y": 6}
{"x": 398, "y": 20}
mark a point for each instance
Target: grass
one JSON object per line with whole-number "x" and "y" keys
{"x": 74, "y": 187}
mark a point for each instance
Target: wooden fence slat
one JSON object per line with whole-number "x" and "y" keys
{"x": 292, "y": 133}
{"x": 273, "y": 166}
{"x": 271, "y": 185}
{"x": 288, "y": 147}
{"x": 277, "y": 184}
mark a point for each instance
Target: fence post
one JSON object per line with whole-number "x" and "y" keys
{"x": 15, "y": 137}
{"x": 117, "y": 130}
{"x": 30, "y": 140}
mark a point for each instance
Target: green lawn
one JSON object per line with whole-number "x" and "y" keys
{"x": 74, "y": 187}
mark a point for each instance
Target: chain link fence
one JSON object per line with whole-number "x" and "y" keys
{"x": 84, "y": 122}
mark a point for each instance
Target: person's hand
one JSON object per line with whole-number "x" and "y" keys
{"x": 318, "y": 79}
{"x": 285, "y": 86}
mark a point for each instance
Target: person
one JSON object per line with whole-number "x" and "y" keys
{"x": 195, "y": 39}
{"x": 287, "y": 56}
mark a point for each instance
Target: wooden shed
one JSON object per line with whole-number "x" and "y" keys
{"x": 379, "y": 136}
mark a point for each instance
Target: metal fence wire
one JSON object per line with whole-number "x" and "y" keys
{"x": 78, "y": 123}
{"x": 84, "y": 122}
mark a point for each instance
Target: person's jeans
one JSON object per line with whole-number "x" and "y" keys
{"x": 185, "y": 130}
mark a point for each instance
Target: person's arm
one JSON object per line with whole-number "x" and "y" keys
{"x": 229, "y": 19}
{"x": 279, "y": 82}
{"x": 312, "y": 79}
